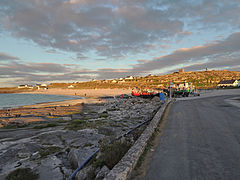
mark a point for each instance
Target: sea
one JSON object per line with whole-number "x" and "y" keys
{"x": 18, "y": 100}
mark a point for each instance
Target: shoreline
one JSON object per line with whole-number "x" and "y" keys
{"x": 86, "y": 96}
{"x": 57, "y": 108}
{"x": 89, "y": 93}
{"x": 46, "y": 103}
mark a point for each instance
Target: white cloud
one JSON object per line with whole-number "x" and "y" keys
{"x": 4, "y": 56}
{"x": 110, "y": 29}
{"x": 183, "y": 56}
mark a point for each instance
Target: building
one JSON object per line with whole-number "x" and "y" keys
{"x": 181, "y": 70}
{"x": 71, "y": 86}
{"x": 30, "y": 86}
{"x": 41, "y": 86}
{"x": 129, "y": 77}
{"x": 186, "y": 85}
{"x": 105, "y": 81}
{"x": 150, "y": 75}
{"x": 23, "y": 86}
{"x": 228, "y": 83}
{"x": 122, "y": 81}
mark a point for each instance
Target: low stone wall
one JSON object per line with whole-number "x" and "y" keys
{"x": 129, "y": 161}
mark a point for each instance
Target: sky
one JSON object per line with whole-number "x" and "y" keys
{"x": 45, "y": 41}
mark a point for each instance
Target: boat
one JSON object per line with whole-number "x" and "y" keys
{"x": 144, "y": 94}
{"x": 136, "y": 94}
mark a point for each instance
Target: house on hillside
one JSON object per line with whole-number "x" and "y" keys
{"x": 23, "y": 86}
{"x": 121, "y": 81}
{"x": 129, "y": 77}
{"x": 41, "y": 86}
{"x": 181, "y": 70}
{"x": 150, "y": 75}
{"x": 71, "y": 86}
{"x": 105, "y": 81}
{"x": 228, "y": 83}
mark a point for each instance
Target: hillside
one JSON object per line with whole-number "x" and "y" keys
{"x": 201, "y": 79}
{"x": 13, "y": 90}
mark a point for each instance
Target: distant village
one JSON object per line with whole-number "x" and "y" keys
{"x": 37, "y": 86}
{"x": 214, "y": 78}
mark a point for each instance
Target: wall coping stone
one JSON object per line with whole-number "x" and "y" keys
{"x": 125, "y": 166}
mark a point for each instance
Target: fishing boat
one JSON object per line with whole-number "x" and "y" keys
{"x": 144, "y": 94}
{"x": 136, "y": 93}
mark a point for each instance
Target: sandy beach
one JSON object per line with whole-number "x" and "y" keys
{"x": 89, "y": 95}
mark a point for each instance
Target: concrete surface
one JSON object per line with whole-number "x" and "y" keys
{"x": 200, "y": 140}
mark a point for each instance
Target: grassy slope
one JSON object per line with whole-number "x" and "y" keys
{"x": 201, "y": 79}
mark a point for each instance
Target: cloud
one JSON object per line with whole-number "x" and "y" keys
{"x": 204, "y": 13}
{"x": 111, "y": 73}
{"x": 112, "y": 28}
{"x": 50, "y": 78}
{"x": 16, "y": 73}
{"x": 219, "y": 62}
{"x": 184, "y": 33}
{"x": 4, "y": 56}
{"x": 223, "y": 48}
{"x": 80, "y": 26}
{"x": 35, "y": 67}
{"x": 31, "y": 71}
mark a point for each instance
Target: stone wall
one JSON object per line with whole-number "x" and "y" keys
{"x": 128, "y": 162}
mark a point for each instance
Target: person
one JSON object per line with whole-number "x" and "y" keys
{"x": 162, "y": 98}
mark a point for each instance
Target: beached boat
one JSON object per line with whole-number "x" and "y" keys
{"x": 144, "y": 94}
{"x": 136, "y": 93}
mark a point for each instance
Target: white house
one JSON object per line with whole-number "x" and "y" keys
{"x": 23, "y": 86}
{"x": 41, "y": 86}
{"x": 129, "y": 77}
{"x": 150, "y": 75}
{"x": 229, "y": 83}
{"x": 30, "y": 86}
{"x": 71, "y": 86}
{"x": 122, "y": 81}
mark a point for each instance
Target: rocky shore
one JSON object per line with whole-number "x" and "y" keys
{"x": 54, "y": 141}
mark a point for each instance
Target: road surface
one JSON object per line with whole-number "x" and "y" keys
{"x": 200, "y": 141}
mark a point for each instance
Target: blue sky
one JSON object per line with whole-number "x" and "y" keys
{"x": 44, "y": 41}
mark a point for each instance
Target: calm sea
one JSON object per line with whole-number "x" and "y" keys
{"x": 16, "y": 100}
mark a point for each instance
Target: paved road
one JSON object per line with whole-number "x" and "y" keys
{"x": 200, "y": 141}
